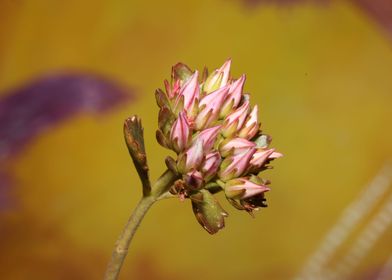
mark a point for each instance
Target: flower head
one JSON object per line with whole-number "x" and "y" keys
{"x": 208, "y": 122}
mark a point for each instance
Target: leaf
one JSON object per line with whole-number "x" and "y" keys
{"x": 208, "y": 211}
{"x": 133, "y": 133}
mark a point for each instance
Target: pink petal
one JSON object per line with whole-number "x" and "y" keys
{"x": 211, "y": 165}
{"x": 275, "y": 155}
{"x": 251, "y": 189}
{"x": 225, "y": 68}
{"x": 190, "y": 91}
{"x": 194, "y": 179}
{"x": 239, "y": 114}
{"x": 215, "y": 99}
{"x": 194, "y": 155}
{"x": 235, "y": 91}
{"x": 260, "y": 157}
{"x": 180, "y": 132}
{"x": 239, "y": 164}
{"x": 208, "y": 137}
{"x": 239, "y": 145}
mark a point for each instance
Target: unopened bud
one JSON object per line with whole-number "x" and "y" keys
{"x": 218, "y": 78}
{"x": 262, "y": 155}
{"x": 235, "y": 146}
{"x": 242, "y": 188}
{"x": 234, "y": 96}
{"x": 210, "y": 165}
{"x": 194, "y": 180}
{"x": 235, "y": 120}
{"x": 192, "y": 158}
{"x": 208, "y": 137}
{"x": 180, "y": 133}
{"x": 190, "y": 93}
{"x": 210, "y": 106}
{"x": 235, "y": 165}
{"x": 251, "y": 126}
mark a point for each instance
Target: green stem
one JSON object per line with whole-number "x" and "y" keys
{"x": 120, "y": 251}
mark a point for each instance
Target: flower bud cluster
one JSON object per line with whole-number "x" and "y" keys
{"x": 208, "y": 122}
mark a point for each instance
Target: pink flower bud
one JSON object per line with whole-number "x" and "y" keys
{"x": 242, "y": 188}
{"x": 235, "y": 120}
{"x": 208, "y": 137}
{"x": 251, "y": 126}
{"x": 211, "y": 165}
{"x": 180, "y": 133}
{"x": 234, "y": 96}
{"x": 213, "y": 82}
{"x": 261, "y": 156}
{"x": 235, "y": 146}
{"x": 210, "y": 106}
{"x": 235, "y": 165}
{"x": 192, "y": 158}
{"x": 189, "y": 92}
{"x": 275, "y": 155}
{"x": 194, "y": 179}
{"x": 225, "y": 69}
{"x": 218, "y": 78}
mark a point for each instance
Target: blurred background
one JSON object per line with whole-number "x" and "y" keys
{"x": 72, "y": 71}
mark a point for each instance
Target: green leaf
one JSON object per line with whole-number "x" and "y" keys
{"x": 133, "y": 134}
{"x": 208, "y": 211}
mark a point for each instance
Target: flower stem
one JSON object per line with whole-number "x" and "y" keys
{"x": 121, "y": 248}
{"x": 120, "y": 251}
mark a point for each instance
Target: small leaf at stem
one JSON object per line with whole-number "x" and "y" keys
{"x": 133, "y": 133}
{"x": 208, "y": 211}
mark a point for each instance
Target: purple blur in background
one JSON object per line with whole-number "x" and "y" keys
{"x": 27, "y": 111}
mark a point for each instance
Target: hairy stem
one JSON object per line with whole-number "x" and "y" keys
{"x": 120, "y": 251}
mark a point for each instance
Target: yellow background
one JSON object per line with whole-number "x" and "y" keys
{"x": 320, "y": 73}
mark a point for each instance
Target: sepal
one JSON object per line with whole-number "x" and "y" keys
{"x": 161, "y": 99}
{"x": 165, "y": 120}
{"x": 181, "y": 72}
